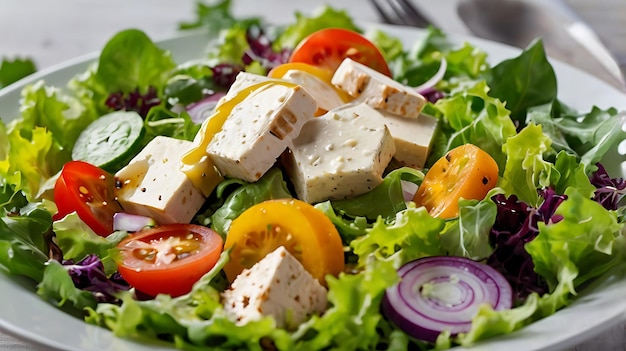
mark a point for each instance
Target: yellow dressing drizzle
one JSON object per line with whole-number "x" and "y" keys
{"x": 196, "y": 163}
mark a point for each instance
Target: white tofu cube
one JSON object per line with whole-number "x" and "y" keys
{"x": 324, "y": 93}
{"x": 277, "y": 286}
{"x": 259, "y": 129}
{"x": 377, "y": 90}
{"x": 412, "y": 138}
{"x": 340, "y": 155}
{"x": 153, "y": 185}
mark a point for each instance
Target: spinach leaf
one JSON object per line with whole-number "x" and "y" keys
{"x": 523, "y": 82}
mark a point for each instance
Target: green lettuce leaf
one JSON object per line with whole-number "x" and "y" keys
{"x": 349, "y": 228}
{"x": 213, "y": 16}
{"x": 471, "y": 116}
{"x": 129, "y": 61}
{"x": 411, "y": 235}
{"x": 24, "y": 232}
{"x": 526, "y": 170}
{"x": 270, "y": 186}
{"x": 569, "y": 172}
{"x": 162, "y": 121}
{"x": 465, "y": 64}
{"x": 325, "y": 17}
{"x": 582, "y": 246}
{"x": 589, "y": 135}
{"x": 12, "y": 70}
{"x": 57, "y": 286}
{"x": 229, "y": 46}
{"x": 524, "y": 81}
{"x": 354, "y": 318}
{"x": 76, "y": 240}
{"x": 468, "y": 235}
{"x": 385, "y": 200}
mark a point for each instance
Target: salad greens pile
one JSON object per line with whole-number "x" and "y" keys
{"x": 552, "y": 226}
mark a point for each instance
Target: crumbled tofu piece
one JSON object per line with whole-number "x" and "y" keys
{"x": 377, "y": 90}
{"x": 153, "y": 185}
{"x": 340, "y": 155}
{"x": 259, "y": 129}
{"x": 277, "y": 286}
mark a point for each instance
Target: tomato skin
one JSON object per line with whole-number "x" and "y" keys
{"x": 302, "y": 229}
{"x": 177, "y": 277}
{"x": 464, "y": 172}
{"x": 327, "y": 48}
{"x": 89, "y": 191}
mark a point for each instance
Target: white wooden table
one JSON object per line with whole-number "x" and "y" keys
{"x": 54, "y": 31}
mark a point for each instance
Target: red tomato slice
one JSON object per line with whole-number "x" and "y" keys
{"x": 89, "y": 191}
{"x": 168, "y": 259}
{"x": 327, "y": 48}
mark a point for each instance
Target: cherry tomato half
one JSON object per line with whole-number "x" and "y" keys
{"x": 88, "y": 190}
{"x": 327, "y": 48}
{"x": 168, "y": 259}
{"x": 464, "y": 172}
{"x": 301, "y": 228}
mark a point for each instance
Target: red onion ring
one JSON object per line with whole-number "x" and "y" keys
{"x": 430, "y": 83}
{"x": 201, "y": 110}
{"x": 443, "y": 293}
{"x": 131, "y": 222}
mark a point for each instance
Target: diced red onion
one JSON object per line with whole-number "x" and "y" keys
{"x": 441, "y": 72}
{"x": 201, "y": 110}
{"x": 443, "y": 293}
{"x": 131, "y": 222}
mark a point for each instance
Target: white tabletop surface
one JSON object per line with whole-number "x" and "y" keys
{"x": 51, "y": 32}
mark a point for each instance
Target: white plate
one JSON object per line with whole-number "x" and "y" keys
{"x": 24, "y": 315}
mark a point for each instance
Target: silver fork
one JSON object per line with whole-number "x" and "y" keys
{"x": 400, "y": 12}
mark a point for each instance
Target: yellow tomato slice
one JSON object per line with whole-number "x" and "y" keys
{"x": 302, "y": 229}
{"x": 465, "y": 172}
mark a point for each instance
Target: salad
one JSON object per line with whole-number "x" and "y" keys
{"x": 511, "y": 203}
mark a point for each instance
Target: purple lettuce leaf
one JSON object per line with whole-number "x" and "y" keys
{"x": 516, "y": 225}
{"x": 88, "y": 274}
{"x": 610, "y": 191}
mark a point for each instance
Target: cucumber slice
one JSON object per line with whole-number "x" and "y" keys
{"x": 110, "y": 141}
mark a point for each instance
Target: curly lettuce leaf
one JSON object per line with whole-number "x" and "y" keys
{"x": 583, "y": 245}
{"x": 51, "y": 108}
{"x": 472, "y": 116}
{"x": 76, "y": 240}
{"x": 354, "y": 320}
{"x": 411, "y": 235}
{"x": 526, "y": 170}
{"x": 324, "y": 17}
